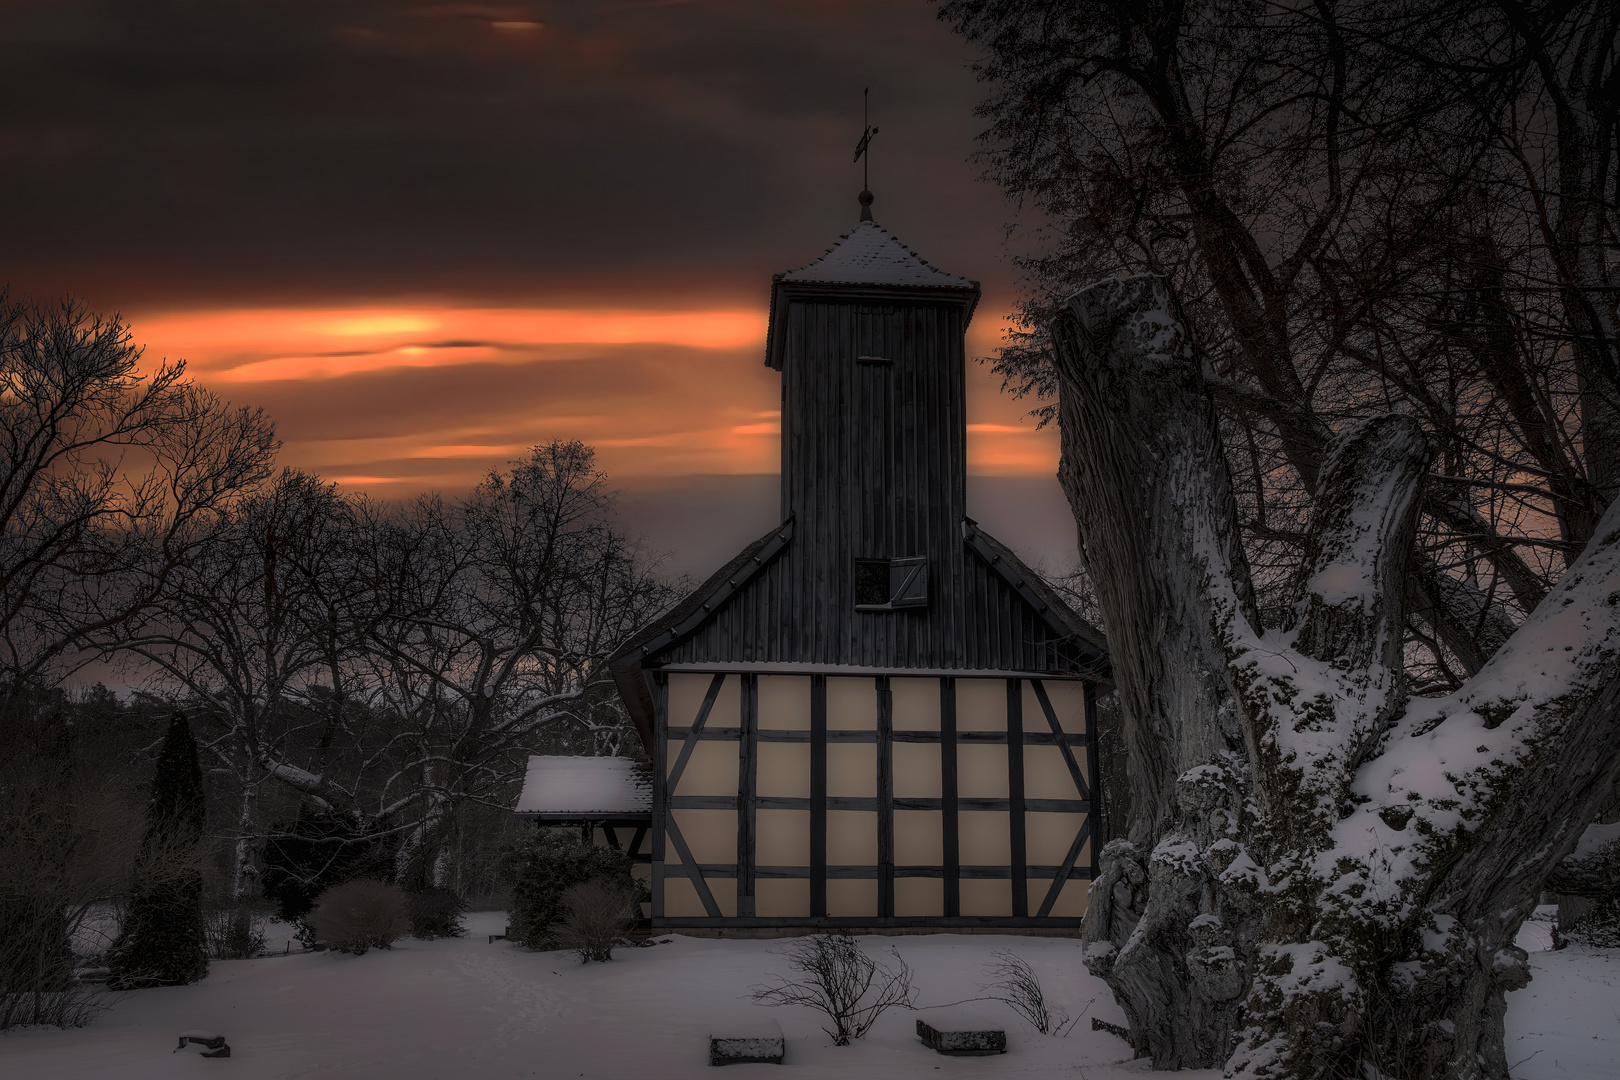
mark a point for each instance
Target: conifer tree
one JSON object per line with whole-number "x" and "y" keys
{"x": 162, "y": 940}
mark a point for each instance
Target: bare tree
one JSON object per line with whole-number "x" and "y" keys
{"x": 1400, "y": 207}
{"x": 1322, "y": 875}
{"x": 110, "y": 478}
{"x": 1364, "y": 208}
{"x": 260, "y": 627}
{"x": 388, "y": 664}
{"x": 496, "y": 615}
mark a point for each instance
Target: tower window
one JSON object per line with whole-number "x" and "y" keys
{"x": 891, "y": 584}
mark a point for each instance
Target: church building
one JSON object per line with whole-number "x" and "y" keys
{"x": 875, "y": 715}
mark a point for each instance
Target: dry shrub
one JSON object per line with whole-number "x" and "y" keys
{"x": 359, "y": 915}
{"x": 1017, "y": 984}
{"x": 233, "y": 929}
{"x": 599, "y": 910}
{"x": 840, "y": 980}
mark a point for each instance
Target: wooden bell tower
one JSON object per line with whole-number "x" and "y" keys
{"x": 874, "y": 716}
{"x": 869, "y": 339}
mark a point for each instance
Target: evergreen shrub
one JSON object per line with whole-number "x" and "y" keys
{"x": 359, "y": 915}
{"x": 541, "y": 868}
{"x": 162, "y": 939}
{"x": 309, "y": 855}
{"x": 436, "y": 913}
{"x": 1601, "y": 926}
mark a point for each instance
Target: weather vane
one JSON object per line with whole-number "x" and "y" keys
{"x": 861, "y": 152}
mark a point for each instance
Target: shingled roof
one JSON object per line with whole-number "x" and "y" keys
{"x": 870, "y": 255}
{"x": 566, "y": 786}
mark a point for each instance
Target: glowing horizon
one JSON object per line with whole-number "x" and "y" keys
{"x": 376, "y": 396}
{"x": 275, "y": 344}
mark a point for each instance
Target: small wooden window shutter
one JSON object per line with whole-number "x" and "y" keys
{"x": 908, "y": 582}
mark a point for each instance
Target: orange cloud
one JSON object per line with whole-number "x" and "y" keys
{"x": 400, "y": 398}
{"x": 274, "y": 344}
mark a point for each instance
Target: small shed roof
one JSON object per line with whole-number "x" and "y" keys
{"x": 585, "y": 786}
{"x": 870, "y": 255}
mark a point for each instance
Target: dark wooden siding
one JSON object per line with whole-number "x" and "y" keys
{"x": 974, "y": 621}
{"x": 874, "y": 466}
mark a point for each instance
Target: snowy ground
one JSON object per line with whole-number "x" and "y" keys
{"x": 1566, "y": 1024}
{"x": 466, "y": 1008}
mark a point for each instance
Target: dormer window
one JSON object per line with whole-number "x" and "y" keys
{"x": 891, "y": 584}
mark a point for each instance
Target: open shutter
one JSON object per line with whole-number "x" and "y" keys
{"x": 908, "y": 582}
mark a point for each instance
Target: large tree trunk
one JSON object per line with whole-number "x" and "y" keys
{"x": 1281, "y": 902}
{"x": 1141, "y": 467}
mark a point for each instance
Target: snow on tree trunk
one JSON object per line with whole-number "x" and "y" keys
{"x": 244, "y": 875}
{"x": 1318, "y": 875}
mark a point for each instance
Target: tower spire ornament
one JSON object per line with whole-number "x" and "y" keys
{"x": 861, "y": 152}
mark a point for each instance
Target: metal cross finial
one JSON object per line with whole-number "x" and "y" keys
{"x": 861, "y": 152}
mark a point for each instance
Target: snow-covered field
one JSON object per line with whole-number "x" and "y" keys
{"x": 466, "y": 1008}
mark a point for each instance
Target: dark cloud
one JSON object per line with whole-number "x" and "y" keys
{"x": 254, "y": 156}
{"x": 196, "y": 148}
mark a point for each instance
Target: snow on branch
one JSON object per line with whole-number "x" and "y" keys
{"x": 1502, "y": 754}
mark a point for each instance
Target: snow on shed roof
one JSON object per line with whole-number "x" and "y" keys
{"x": 585, "y": 785}
{"x": 869, "y": 255}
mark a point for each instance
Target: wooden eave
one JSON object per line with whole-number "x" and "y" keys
{"x": 610, "y": 818}
{"x": 1038, "y": 593}
{"x": 683, "y": 619}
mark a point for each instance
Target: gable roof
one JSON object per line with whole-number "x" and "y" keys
{"x": 870, "y": 255}
{"x": 1037, "y": 592}
{"x": 1082, "y": 649}
{"x": 682, "y": 618}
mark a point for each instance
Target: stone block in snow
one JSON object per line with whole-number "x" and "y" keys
{"x": 755, "y": 1039}
{"x": 963, "y": 1031}
{"x": 207, "y": 1044}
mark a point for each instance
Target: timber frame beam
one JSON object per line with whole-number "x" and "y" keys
{"x": 748, "y": 735}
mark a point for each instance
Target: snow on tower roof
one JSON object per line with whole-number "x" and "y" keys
{"x": 585, "y": 785}
{"x": 869, "y": 255}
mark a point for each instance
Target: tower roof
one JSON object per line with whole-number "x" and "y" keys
{"x": 870, "y": 255}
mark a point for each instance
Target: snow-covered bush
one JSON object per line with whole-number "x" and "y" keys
{"x": 360, "y": 915}
{"x": 599, "y": 910}
{"x": 1597, "y": 924}
{"x": 541, "y": 868}
{"x": 436, "y": 913}
{"x": 841, "y": 981}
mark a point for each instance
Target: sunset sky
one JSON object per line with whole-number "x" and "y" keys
{"x": 425, "y": 236}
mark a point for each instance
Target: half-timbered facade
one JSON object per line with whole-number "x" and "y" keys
{"x": 875, "y": 715}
